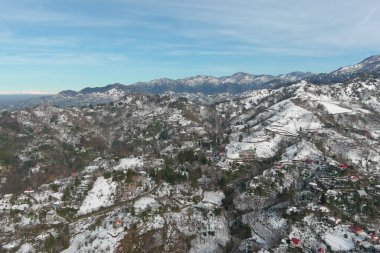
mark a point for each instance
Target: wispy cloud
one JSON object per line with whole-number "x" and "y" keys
{"x": 265, "y": 24}
{"x": 27, "y": 92}
{"x": 303, "y": 24}
{"x": 60, "y": 58}
{"x": 136, "y": 40}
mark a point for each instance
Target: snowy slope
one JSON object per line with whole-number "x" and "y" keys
{"x": 101, "y": 195}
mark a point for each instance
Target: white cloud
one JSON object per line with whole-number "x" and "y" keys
{"x": 69, "y": 42}
{"x": 263, "y": 24}
{"x": 305, "y": 25}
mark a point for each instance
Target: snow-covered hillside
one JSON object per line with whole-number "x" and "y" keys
{"x": 290, "y": 169}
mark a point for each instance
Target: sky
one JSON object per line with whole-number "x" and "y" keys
{"x": 47, "y": 46}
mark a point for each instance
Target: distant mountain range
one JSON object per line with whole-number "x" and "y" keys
{"x": 238, "y": 82}
{"x": 208, "y": 85}
{"x": 205, "y": 85}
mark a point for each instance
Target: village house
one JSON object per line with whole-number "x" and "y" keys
{"x": 313, "y": 185}
{"x": 333, "y": 221}
{"x": 117, "y": 222}
{"x": 42, "y": 237}
{"x": 376, "y": 189}
{"x": 354, "y": 179}
{"x": 324, "y": 209}
{"x": 51, "y": 216}
{"x": 29, "y": 190}
{"x": 343, "y": 166}
{"x": 57, "y": 204}
{"x": 332, "y": 193}
{"x": 295, "y": 242}
{"x": 357, "y": 230}
{"x": 362, "y": 193}
{"x": 278, "y": 166}
{"x": 373, "y": 237}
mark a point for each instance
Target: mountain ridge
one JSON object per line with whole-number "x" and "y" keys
{"x": 241, "y": 81}
{"x": 206, "y": 85}
{"x": 238, "y": 78}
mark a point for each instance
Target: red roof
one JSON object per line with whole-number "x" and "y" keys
{"x": 374, "y": 237}
{"x": 117, "y": 222}
{"x": 357, "y": 229}
{"x": 321, "y": 250}
{"x": 343, "y": 166}
{"x": 296, "y": 241}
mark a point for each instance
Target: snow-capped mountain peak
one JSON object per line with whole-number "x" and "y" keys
{"x": 370, "y": 64}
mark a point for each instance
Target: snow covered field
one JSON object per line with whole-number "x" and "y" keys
{"x": 302, "y": 151}
{"x": 143, "y": 203}
{"x": 336, "y": 239}
{"x": 128, "y": 163}
{"x": 213, "y": 197}
{"x": 98, "y": 240}
{"x": 101, "y": 195}
{"x": 334, "y": 109}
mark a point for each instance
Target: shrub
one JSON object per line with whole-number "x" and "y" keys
{"x": 240, "y": 230}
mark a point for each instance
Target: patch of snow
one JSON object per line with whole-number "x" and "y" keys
{"x": 334, "y": 109}
{"x": 11, "y": 245}
{"x": 90, "y": 169}
{"x": 101, "y": 195}
{"x": 301, "y": 151}
{"x": 213, "y": 197}
{"x": 26, "y": 248}
{"x": 337, "y": 241}
{"x": 143, "y": 203}
{"x": 128, "y": 163}
{"x": 98, "y": 240}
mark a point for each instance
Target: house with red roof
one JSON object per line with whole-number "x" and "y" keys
{"x": 295, "y": 242}
{"x": 308, "y": 161}
{"x": 357, "y": 230}
{"x": 354, "y": 179}
{"x": 29, "y": 190}
{"x": 278, "y": 166}
{"x": 117, "y": 222}
{"x": 373, "y": 237}
{"x": 343, "y": 166}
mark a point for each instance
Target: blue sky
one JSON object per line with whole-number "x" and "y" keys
{"x": 49, "y": 46}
